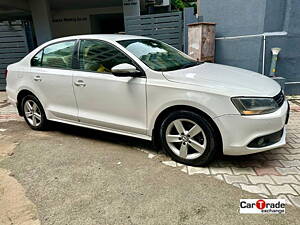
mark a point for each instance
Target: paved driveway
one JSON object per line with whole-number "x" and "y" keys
{"x": 272, "y": 174}
{"x": 71, "y": 175}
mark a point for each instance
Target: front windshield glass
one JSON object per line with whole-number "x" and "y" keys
{"x": 157, "y": 55}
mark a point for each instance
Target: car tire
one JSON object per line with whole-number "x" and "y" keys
{"x": 34, "y": 113}
{"x": 194, "y": 147}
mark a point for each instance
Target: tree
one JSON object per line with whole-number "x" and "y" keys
{"x": 180, "y": 4}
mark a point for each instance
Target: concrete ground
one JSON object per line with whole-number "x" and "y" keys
{"x": 71, "y": 175}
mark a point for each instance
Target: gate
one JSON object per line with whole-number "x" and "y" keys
{"x": 166, "y": 27}
{"x": 13, "y": 46}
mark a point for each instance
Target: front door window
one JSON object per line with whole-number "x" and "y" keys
{"x": 99, "y": 56}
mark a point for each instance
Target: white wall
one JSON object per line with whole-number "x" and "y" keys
{"x": 73, "y": 22}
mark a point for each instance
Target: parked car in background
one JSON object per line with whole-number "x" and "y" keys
{"x": 144, "y": 88}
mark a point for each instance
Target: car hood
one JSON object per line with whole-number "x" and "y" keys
{"x": 226, "y": 80}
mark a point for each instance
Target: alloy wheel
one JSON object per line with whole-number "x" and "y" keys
{"x": 186, "y": 139}
{"x": 32, "y": 113}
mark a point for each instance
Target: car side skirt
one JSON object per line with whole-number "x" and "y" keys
{"x": 105, "y": 129}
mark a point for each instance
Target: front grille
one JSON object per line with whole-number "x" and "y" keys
{"x": 279, "y": 98}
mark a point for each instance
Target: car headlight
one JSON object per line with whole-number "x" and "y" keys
{"x": 255, "y": 106}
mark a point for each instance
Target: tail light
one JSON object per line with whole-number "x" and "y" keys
{"x": 5, "y": 73}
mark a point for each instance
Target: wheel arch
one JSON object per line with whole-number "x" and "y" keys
{"x": 163, "y": 114}
{"x": 22, "y": 93}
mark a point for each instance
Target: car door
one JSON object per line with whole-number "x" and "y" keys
{"x": 105, "y": 100}
{"x": 51, "y": 71}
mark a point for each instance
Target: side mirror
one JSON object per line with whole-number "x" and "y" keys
{"x": 125, "y": 70}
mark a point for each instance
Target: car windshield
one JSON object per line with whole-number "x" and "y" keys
{"x": 158, "y": 55}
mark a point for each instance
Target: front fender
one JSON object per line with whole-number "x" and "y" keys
{"x": 211, "y": 104}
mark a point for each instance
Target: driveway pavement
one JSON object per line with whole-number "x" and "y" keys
{"x": 272, "y": 174}
{"x": 71, "y": 175}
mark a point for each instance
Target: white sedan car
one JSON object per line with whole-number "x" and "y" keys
{"x": 144, "y": 88}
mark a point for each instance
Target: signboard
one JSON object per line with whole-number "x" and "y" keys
{"x": 131, "y": 7}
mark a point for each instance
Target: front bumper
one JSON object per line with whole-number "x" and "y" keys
{"x": 238, "y": 131}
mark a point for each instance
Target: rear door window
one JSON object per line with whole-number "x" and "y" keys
{"x": 58, "y": 55}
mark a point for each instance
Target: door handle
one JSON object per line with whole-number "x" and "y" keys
{"x": 79, "y": 83}
{"x": 37, "y": 78}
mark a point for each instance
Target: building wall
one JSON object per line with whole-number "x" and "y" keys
{"x": 73, "y": 22}
{"x": 244, "y": 53}
{"x": 275, "y": 15}
{"x": 240, "y": 17}
{"x": 235, "y": 17}
{"x": 289, "y": 61}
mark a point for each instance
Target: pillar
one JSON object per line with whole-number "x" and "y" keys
{"x": 41, "y": 16}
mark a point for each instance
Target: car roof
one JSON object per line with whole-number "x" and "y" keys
{"x": 104, "y": 37}
{"x": 108, "y": 37}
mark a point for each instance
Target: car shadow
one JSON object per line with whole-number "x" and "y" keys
{"x": 253, "y": 160}
{"x": 102, "y": 136}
